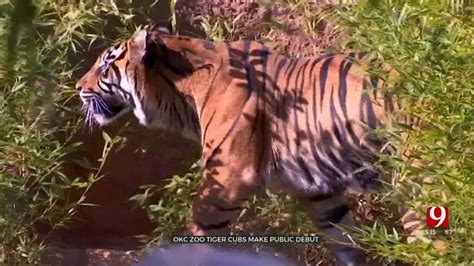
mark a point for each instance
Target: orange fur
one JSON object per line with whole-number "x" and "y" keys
{"x": 263, "y": 119}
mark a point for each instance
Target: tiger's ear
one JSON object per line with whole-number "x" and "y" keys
{"x": 148, "y": 48}
{"x": 143, "y": 49}
{"x": 138, "y": 44}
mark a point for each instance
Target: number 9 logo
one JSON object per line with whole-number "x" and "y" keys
{"x": 437, "y": 217}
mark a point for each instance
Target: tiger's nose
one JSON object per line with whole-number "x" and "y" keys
{"x": 78, "y": 87}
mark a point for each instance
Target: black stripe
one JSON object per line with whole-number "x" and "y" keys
{"x": 109, "y": 88}
{"x": 247, "y": 65}
{"x": 313, "y": 100}
{"x": 182, "y": 71}
{"x": 366, "y": 104}
{"x": 107, "y": 53}
{"x": 298, "y": 97}
{"x": 117, "y": 72}
{"x": 207, "y": 125}
{"x": 330, "y": 174}
{"x": 303, "y": 79}
{"x": 347, "y": 152}
{"x": 252, "y": 67}
{"x": 334, "y": 215}
{"x": 374, "y": 81}
{"x": 284, "y": 109}
{"x": 337, "y": 124}
{"x": 307, "y": 174}
{"x": 343, "y": 73}
{"x": 291, "y": 65}
{"x": 351, "y": 132}
{"x": 122, "y": 55}
{"x": 323, "y": 78}
{"x": 126, "y": 95}
{"x": 276, "y": 76}
{"x": 326, "y": 168}
{"x": 264, "y": 54}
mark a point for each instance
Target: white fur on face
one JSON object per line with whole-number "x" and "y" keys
{"x": 103, "y": 121}
{"x": 139, "y": 111}
{"x": 139, "y": 47}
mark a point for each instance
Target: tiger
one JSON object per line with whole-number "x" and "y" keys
{"x": 264, "y": 120}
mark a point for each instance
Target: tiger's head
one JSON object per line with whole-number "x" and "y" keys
{"x": 120, "y": 80}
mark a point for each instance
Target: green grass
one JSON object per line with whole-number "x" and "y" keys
{"x": 429, "y": 43}
{"x": 39, "y": 114}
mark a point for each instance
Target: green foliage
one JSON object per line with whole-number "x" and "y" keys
{"x": 220, "y": 29}
{"x": 39, "y": 116}
{"x": 31, "y": 180}
{"x": 170, "y": 213}
{"x": 430, "y": 45}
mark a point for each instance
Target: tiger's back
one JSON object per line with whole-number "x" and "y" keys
{"x": 317, "y": 114}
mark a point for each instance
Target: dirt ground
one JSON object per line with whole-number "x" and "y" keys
{"x": 103, "y": 234}
{"x": 270, "y": 20}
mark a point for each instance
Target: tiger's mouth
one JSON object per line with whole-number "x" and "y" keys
{"x": 103, "y": 112}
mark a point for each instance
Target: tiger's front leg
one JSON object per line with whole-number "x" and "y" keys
{"x": 219, "y": 200}
{"x": 332, "y": 216}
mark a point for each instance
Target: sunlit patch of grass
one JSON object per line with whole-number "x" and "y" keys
{"x": 430, "y": 47}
